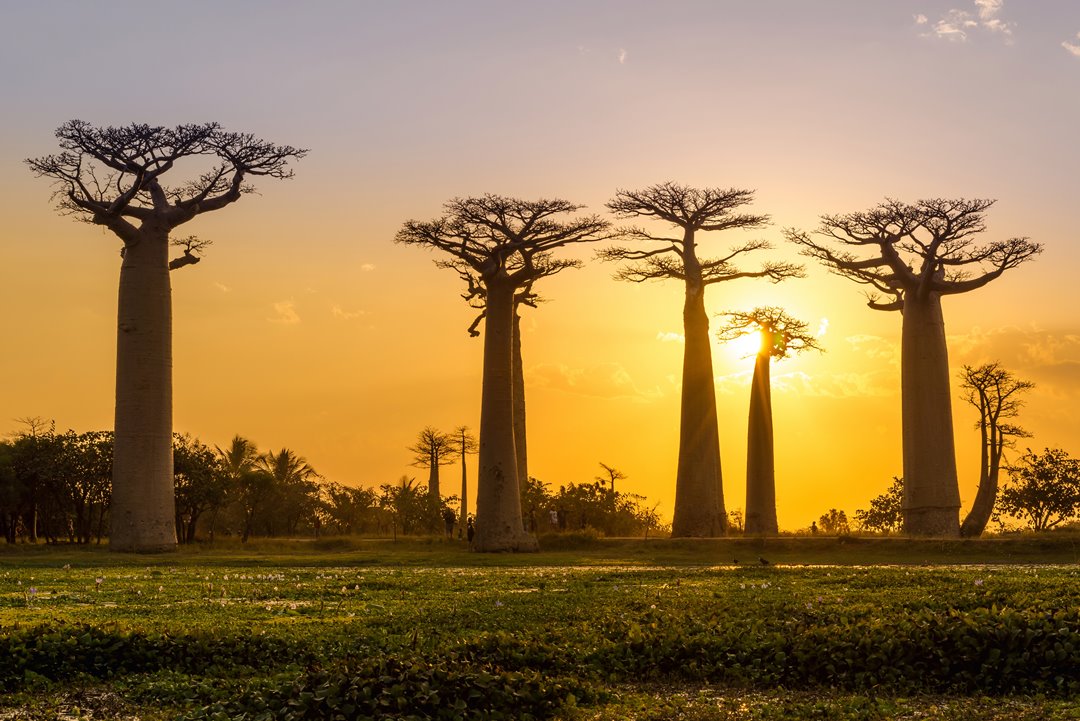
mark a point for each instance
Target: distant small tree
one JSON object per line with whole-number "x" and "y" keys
{"x": 464, "y": 445}
{"x": 885, "y": 514}
{"x": 1044, "y": 489}
{"x": 996, "y": 394}
{"x": 834, "y": 523}
{"x": 432, "y": 449}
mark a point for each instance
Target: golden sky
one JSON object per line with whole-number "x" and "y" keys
{"x": 306, "y": 327}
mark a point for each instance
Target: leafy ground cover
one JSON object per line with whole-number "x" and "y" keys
{"x": 602, "y": 631}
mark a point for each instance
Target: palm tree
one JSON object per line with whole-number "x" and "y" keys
{"x": 291, "y": 480}
{"x": 240, "y": 461}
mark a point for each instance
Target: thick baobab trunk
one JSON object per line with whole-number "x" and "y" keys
{"x": 143, "y": 508}
{"x": 520, "y": 439}
{"x": 760, "y": 468}
{"x": 989, "y": 470}
{"x": 931, "y": 503}
{"x": 498, "y": 497}
{"x": 699, "y": 499}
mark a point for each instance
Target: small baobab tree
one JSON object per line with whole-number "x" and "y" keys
{"x": 432, "y": 449}
{"x": 464, "y": 445}
{"x": 913, "y": 254}
{"x": 996, "y": 394}
{"x": 699, "y": 495}
{"x": 781, "y": 336}
{"x": 115, "y": 177}
{"x": 505, "y": 243}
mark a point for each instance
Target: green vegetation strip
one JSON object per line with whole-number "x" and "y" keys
{"x": 304, "y": 642}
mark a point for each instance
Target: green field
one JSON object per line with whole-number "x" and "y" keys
{"x": 830, "y": 629}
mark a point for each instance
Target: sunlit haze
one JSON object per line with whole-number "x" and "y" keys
{"x": 306, "y": 327}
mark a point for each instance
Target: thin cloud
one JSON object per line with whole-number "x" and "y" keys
{"x": 606, "y": 380}
{"x": 1074, "y": 50}
{"x": 338, "y": 312}
{"x": 670, "y": 337}
{"x": 367, "y": 267}
{"x": 958, "y": 24}
{"x": 622, "y": 56}
{"x": 223, "y": 288}
{"x": 285, "y": 313}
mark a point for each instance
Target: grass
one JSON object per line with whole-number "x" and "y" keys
{"x": 602, "y": 630}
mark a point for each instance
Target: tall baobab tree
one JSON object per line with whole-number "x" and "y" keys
{"x": 781, "y": 336}
{"x": 995, "y": 393}
{"x": 502, "y": 241}
{"x": 543, "y": 265}
{"x": 464, "y": 445}
{"x": 114, "y": 177}
{"x": 913, "y": 254}
{"x": 699, "y": 495}
{"x": 432, "y": 449}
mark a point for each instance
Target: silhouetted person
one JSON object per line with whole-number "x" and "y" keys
{"x": 470, "y": 530}
{"x": 813, "y": 528}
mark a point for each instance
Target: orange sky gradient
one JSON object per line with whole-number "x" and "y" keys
{"x": 306, "y": 327}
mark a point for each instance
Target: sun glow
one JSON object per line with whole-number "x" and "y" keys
{"x": 745, "y": 346}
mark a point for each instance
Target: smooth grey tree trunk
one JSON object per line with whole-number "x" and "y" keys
{"x": 143, "y": 506}
{"x": 760, "y": 459}
{"x": 498, "y": 497}
{"x": 699, "y": 500}
{"x": 989, "y": 470}
{"x": 434, "y": 492}
{"x": 931, "y": 502}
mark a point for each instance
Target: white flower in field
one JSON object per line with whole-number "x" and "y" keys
{"x": 99, "y": 580}
{"x": 743, "y": 586}
{"x": 498, "y": 604}
{"x": 356, "y": 587}
{"x": 344, "y": 590}
{"x": 67, "y": 566}
{"x": 292, "y": 606}
{"x": 33, "y": 591}
{"x": 978, "y": 582}
{"x": 160, "y": 589}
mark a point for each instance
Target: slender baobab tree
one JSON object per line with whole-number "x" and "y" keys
{"x": 914, "y": 254}
{"x": 781, "y": 336}
{"x": 114, "y": 177}
{"x": 432, "y": 449}
{"x": 996, "y": 394}
{"x": 464, "y": 445}
{"x": 502, "y": 241}
{"x": 699, "y": 495}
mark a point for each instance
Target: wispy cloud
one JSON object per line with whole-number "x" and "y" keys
{"x": 367, "y": 267}
{"x": 223, "y": 288}
{"x": 622, "y": 56}
{"x": 338, "y": 312}
{"x": 958, "y": 24}
{"x": 285, "y": 311}
{"x": 664, "y": 337}
{"x": 606, "y": 380}
{"x": 1071, "y": 48}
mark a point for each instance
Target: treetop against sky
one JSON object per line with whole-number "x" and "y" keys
{"x": 306, "y": 326}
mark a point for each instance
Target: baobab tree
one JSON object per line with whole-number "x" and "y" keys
{"x": 503, "y": 242}
{"x": 432, "y": 449}
{"x": 544, "y": 265}
{"x": 781, "y": 336}
{"x": 699, "y": 495}
{"x": 464, "y": 445}
{"x": 114, "y": 177}
{"x": 915, "y": 254}
{"x": 996, "y": 394}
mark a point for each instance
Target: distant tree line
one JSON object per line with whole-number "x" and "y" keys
{"x": 56, "y": 487}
